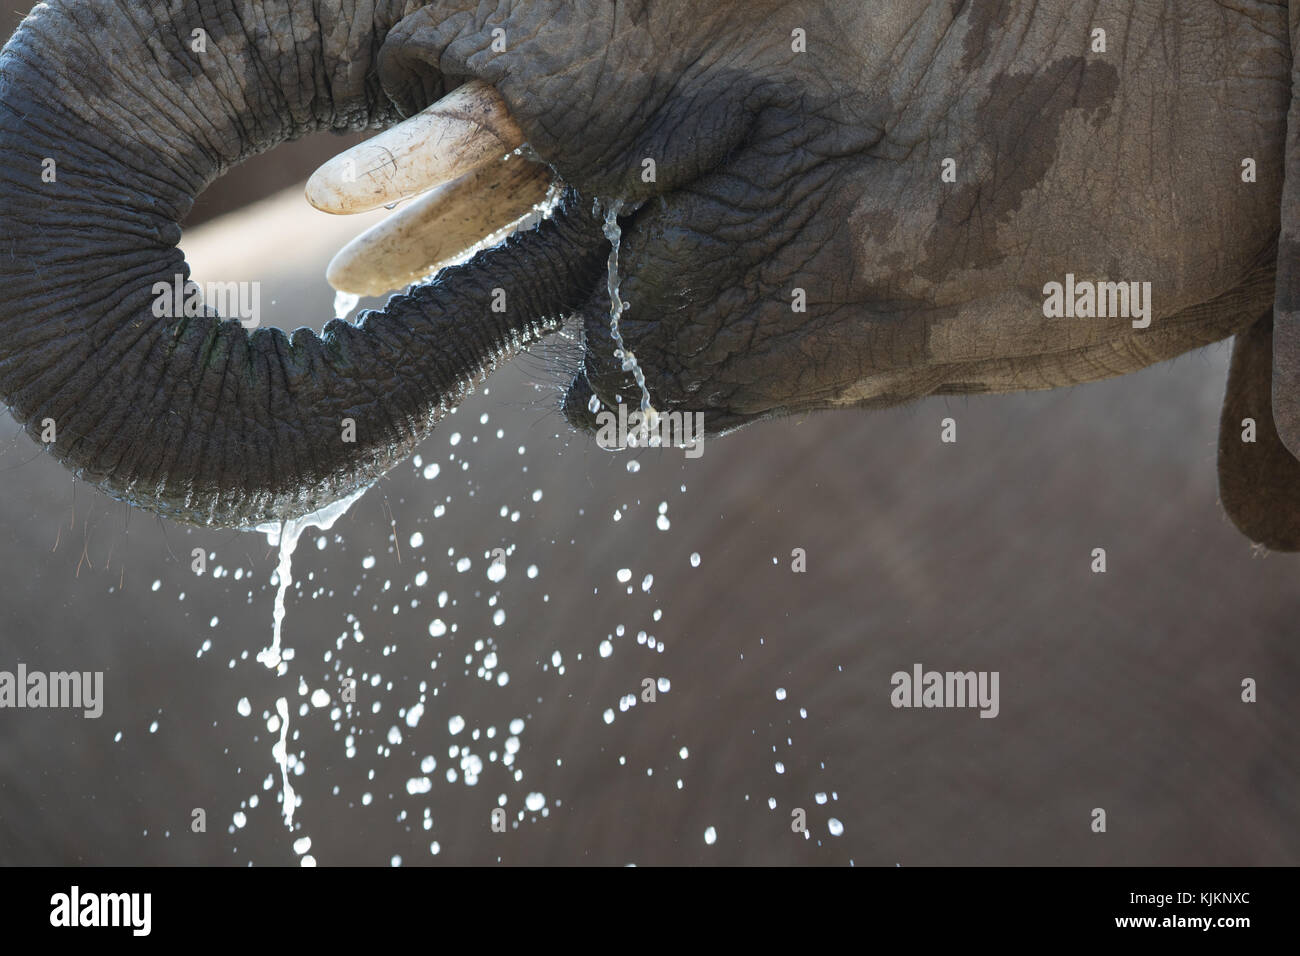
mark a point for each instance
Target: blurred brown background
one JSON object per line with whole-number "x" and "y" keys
{"x": 1118, "y": 690}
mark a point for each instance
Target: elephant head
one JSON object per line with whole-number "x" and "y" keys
{"x": 822, "y": 206}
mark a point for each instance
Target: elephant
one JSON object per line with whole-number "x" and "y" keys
{"x": 818, "y": 206}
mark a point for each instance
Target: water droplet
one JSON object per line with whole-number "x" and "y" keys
{"x": 414, "y": 714}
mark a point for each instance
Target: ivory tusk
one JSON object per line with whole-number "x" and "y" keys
{"x": 464, "y": 131}
{"x": 438, "y": 228}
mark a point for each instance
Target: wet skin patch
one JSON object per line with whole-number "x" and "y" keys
{"x": 1020, "y": 126}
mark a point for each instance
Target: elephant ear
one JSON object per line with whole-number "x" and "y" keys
{"x": 1259, "y": 479}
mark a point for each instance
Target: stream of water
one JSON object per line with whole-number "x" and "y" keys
{"x": 284, "y": 535}
{"x": 617, "y": 306}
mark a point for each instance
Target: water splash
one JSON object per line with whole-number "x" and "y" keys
{"x": 617, "y": 306}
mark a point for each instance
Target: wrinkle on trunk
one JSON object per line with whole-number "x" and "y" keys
{"x": 194, "y": 417}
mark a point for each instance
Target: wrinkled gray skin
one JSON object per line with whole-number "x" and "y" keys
{"x": 776, "y": 170}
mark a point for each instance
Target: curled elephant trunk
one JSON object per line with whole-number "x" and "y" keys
{"x": 113, "y": 117}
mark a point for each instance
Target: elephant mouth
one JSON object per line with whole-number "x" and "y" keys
{"x": 462, "y": 178}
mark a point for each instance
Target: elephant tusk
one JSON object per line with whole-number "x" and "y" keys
{"x": 439, "y": 228}
{"x": 464, "y": 131}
